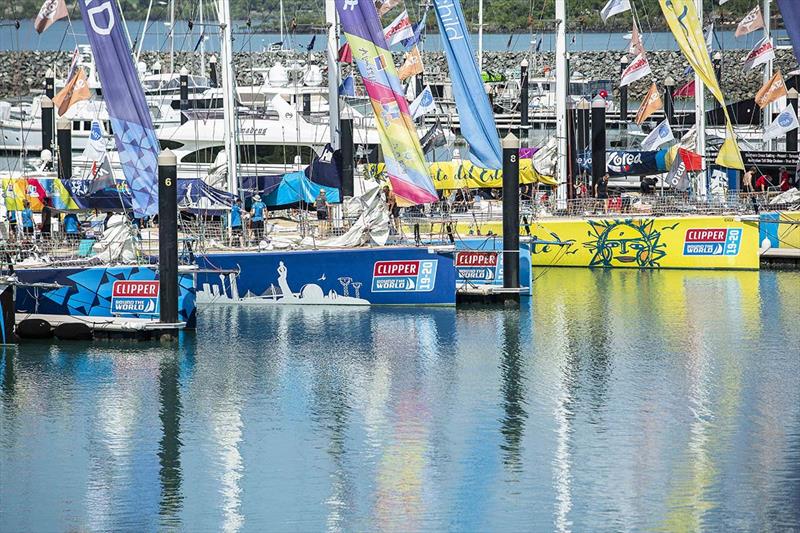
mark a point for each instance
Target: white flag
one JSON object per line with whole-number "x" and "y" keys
{"x": 614, "y": 7}
{"x": 399, "y": 29}
{"x": 760, "y": 54}
{"x": 786, "y": 121}
{"x": 638, "y": 69}
{"x": 96, "y": 144}
{"x": 660, "y": 135}
{"x": 422, "y": 104}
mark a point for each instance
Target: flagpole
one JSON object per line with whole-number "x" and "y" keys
{"x": 766, "y": 117}
{"x": 700, "y": 118}
{"x": 333, "y": 72}
{"x": 228, "y": 90}
{"x": 562, "y": 81}
{"x": 202, "y": 42}
{"x": 480, "y": 36}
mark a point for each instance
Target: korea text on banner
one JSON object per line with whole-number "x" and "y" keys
{"x": 682, "y": 20}
{"x": 474, "y": 111}
{"x": 405, "y": 162}
{"x": 127, "y": 108}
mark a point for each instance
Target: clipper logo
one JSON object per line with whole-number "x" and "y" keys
{"x": 404, "y": 276}
{"x": 134, "y": 297}
{"x": 476, "y": 266}
{"x": 711, "y": 241}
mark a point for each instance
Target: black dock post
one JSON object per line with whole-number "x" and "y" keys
{"x": 669, "y": 104}
{"x": 791, "y": 137}
{"x": 346, "y": 146}
{"x": 582, "y": 135}
{"x": 598, "y": 139}
{"x": 168, "y": 236}
{"x": 64, "y": 141}
{"x": 47, "y": 123}
{"x": 623, "y": 94}
{"x": 523, "y": 102}
{"x": 7, "y": 314}
{"x": 307, "y": 104}
{"x": 49, "y": 84}
{"x": 184, "y": 95}
{"x": 511, "y": 211}
{"x": 212, "y": 67}
{"x": 717, "y": 61}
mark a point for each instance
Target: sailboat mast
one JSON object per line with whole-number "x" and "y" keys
{"x": 766, "y": 116}
{"x": 700, "y": 118}
{"x": 562, "y": 82}
{"x": 228, "y": 87}
{"x": 202, "y": 42}
{"x": 333, "y": 71}
{"x": 480, "y": 36}
{"x": 280, "y": 22}
{"x": 172, "y": 36}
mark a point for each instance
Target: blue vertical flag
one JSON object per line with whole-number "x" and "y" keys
{"x": 474, "y": 111}
{"x": 348, "y": 86}
{"x": 130, "y": 117}
{"x": 790, "y": 9}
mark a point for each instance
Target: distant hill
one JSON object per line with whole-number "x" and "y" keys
{"x": 499, "y": 15}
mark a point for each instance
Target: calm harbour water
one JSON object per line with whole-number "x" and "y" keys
{"x": 618, "y": 400}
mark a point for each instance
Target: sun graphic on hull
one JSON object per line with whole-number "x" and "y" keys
{"x": 625, "y": 242}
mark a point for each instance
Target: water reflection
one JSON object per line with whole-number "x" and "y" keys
{"x": 616, "y": 401}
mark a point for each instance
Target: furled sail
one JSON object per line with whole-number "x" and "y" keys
{"x": 405, "y": 162}
{"x": 130, "y": 117}
{"x": 474, "y": 110}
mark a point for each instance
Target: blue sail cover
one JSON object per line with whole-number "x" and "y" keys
{"x": 296, "y": 187}
{"x": 474, "y": 111}
{"x": 130, "y": 118}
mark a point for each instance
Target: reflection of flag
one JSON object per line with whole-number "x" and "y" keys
{"x": 661, "y": 134}
{"x": 751, "y": 22}
{"x": 614, "y": 7}
{"x": 102, "y": 177}
{"x": 762, "y": 52}
{"x": 422, "y": 104}
{"x": 345, "y": 54}
{"x": 399, "y": 29}
{"x": 412, "y": 64}
{"x": 348, "y": 86}
{"x": 76, "y": 89}
{"x": 651, "y": 103}
{"x": 771, "y": 91}
{"x": 96, "y": 144}
{"x": 51, "y": 11}
{"x": 786, "y": 121}
{"x": 638, "y": 69}
{"x": 683, "y": 22}
{"x": 686, "y": 91}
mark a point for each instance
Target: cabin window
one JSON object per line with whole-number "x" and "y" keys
{"x": 87, "y": 125}
{"x": 172, "y": 145}
{"x": 76, "y": 125}
{"x": 204, "y": 155}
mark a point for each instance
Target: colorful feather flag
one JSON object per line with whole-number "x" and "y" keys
{"x": 51, "y": 11}
{"x": 774, "y": 89}
{"x": 651, "y": 103}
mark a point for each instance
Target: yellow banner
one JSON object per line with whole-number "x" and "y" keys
{"x": 449, "y": 175}
{"x": 684, "y": 23}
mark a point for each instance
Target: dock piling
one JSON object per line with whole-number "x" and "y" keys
{"x": 623, "y": 93}
{"x": 212, "y": 68}
{"x": 346, "y": 147}
{"x": 184, "y": 94}
{"x": 64, "y": 141}
{"x": 49, "y": 84}
{"x": 168, "y": 236}
{"x": 511, "y": 211}
{"x": 48, "y": 115}
{"x": 598, "y": 139}
{"x": 791, "y": 137}
{"x": 669, "y": 103}
{"x": 523, "y": 102}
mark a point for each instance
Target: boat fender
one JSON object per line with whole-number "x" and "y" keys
{"x": 73, "y": 331}
{"x": 34, "y": 328}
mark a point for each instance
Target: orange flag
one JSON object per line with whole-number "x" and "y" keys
{"x": 76, "y": 89}
{"x": 412, "y": 65}
{"x": 651, "y": 103}
{"x": 771, "y": 91}
{"x": 52, "y": 10}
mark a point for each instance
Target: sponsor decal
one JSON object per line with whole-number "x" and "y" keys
{"x": 471, "y": 266}
{"x": 712, "y": 241}
{"x": 404, "y": 276}
{"x": 134, "y": 297}
{"x": 623, "y": 161}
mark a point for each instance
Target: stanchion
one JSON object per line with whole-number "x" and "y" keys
{"x": 168, "y": 236}
{"x": 511, "y": 211}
